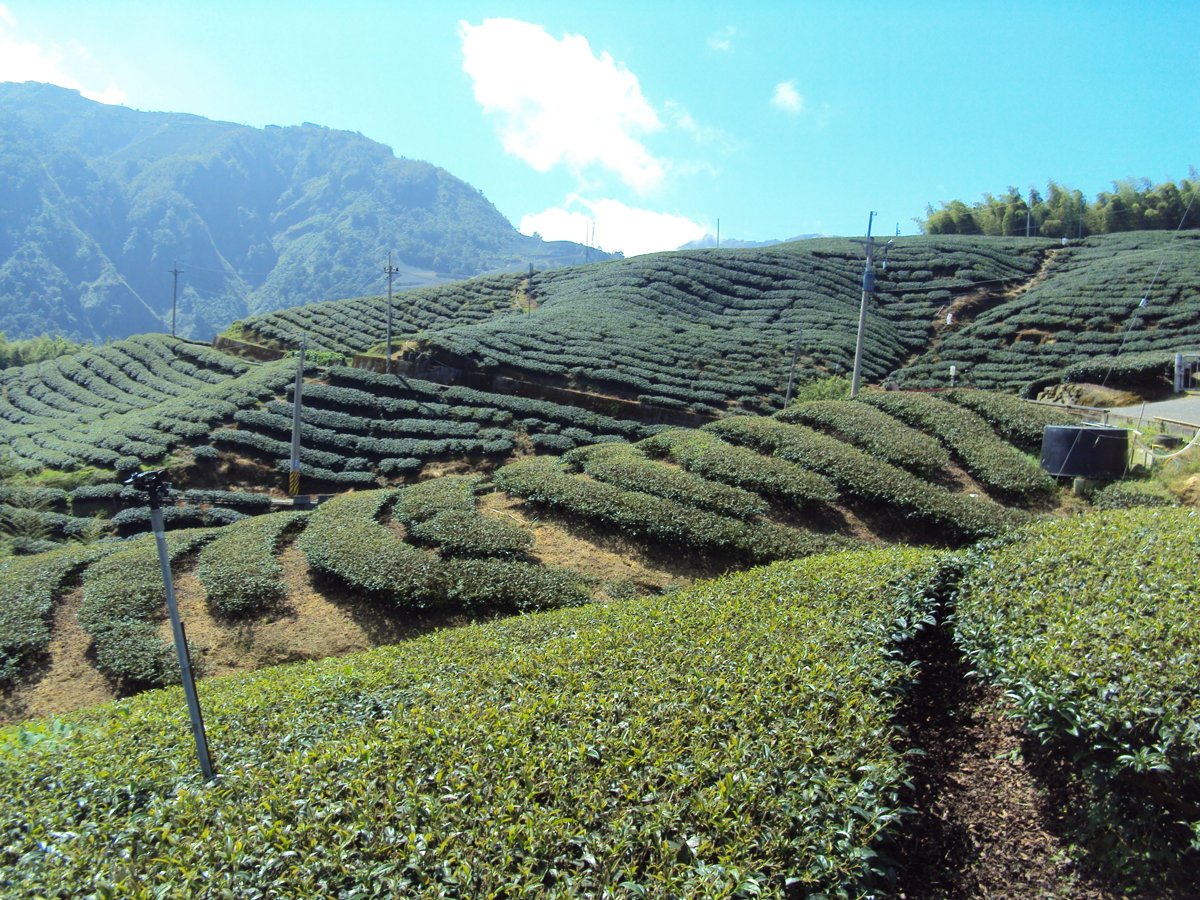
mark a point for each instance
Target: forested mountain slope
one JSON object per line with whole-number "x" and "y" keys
{"x": 100, "y": 202}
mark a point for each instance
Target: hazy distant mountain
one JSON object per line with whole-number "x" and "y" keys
{"x": 97, "y": 204}
{"x": 710, "y": 240}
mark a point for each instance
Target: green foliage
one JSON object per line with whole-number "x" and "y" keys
{"x": 735, "y": 739}
{"x": 1091, "y": 625}
{"x": 999, "y": 466}
{"x": 1127, "y": 494}
{"x": 873, "y": 431}
{"x": 831, "y": 387}
{"x": 29, "y": 588}
{"x": 1085, "y": 311}
{"x": 123, "y": 600}
{"x": 1063, "y": 212}
{"x": 625, "y": 467}
{"x": 712, "y": 458}
{"x": 542, "y": 481}
{"x": 458, "y": 532}
{"x": 1018, "y": 421}
{"x": 424, "y": 500}
{"x": 34, "y": 350}
{"x": 345, "y": 540}
{"x": 856, "y": 474}
{"x": 238, "y": 568}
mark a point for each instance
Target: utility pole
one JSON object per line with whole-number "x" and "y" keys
{"x": 868, "y": 288}
{"x": 718, "y": 234}
{"x": 787, "y": 398}
{"x": 175, "y": 270}
{"x": 390, "y": 270}
{"x": 294, "y": 473}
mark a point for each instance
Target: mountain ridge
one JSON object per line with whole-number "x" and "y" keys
{"x": 104, "y": 201}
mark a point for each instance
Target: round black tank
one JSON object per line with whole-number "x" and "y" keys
{"x": 1085, "y": 451}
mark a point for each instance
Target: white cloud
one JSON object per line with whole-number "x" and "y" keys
{"x": 23, "y": 60}
{"x": 787, "y": 98}
{"x": 617, "y": 226}
{"x": 558, "y": 103}
{"x": 722, "y": 40}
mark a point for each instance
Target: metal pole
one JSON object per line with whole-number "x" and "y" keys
{"x": 868, "y": 287}
{"x": 787, "y": 398}
{"x": 152, "y": 483}
{"x": 294, "y": 473}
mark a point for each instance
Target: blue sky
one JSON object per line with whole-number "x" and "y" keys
{"x": 644, "y": 123}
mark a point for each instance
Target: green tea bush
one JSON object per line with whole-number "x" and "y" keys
{"x": 1018, "y": 421}
{"x": 625, "y": 467}
{"x": 736, "y": 739}
{"x": 344, "y": 539}
{"x": 424, "y": 500}
{"x": 1128, "y": 494}
{"x": 238, "y": 568}
{"x": 29, "y": 588}
{"x": 458, "y": 532}
{"x": 712, "y": 458}
{"x": 859, "y": 475}
{"x": 508, "y": 585}
{"x": 999, "y": 466}
{"x": 123, "y": 601}
{"x": 542, "y": 481}
{"x": 873, "y": 431}
{"x": 1091, "y": 624}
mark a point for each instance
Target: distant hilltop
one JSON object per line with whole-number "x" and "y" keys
{"x": 103, "y": 202}
{"x": 710, "y": 240}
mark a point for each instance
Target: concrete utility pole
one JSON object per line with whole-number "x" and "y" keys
{"x": 389, "y": 270}
{"x": 868, "y": 288}
{"x": 787, "y": 398}
{"x": 294, "y": 473}
{"x": 175, "y": 270}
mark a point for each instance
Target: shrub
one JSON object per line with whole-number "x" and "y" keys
{"x": 625, "y": 467}
{"x": 458, "y": 532}
{"x": 1091, "y": 626}
{"x": 1000, "y": 467}
{"x": 859, "y": 475}
{"x": 123, "y": 599}
{"x": 424, "y": 500}
{"x": 873, "y": 431}
{"x": 29, "y": 588}
{"x": 542, "y": 481}
{"x": 344, "y": 539}
{"x": 238, "y": 569}
{"x": 1018, "y": 421}
{"x": 710, "y": 457}
{"x": 1130, "y": 494}
{"x": 736, "y": 738}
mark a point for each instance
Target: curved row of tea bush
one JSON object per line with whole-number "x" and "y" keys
{"x": 345, "y": 540}
{"x": 29, "y": 588}
{"x": 872, "y": 430}
{"x": 441, "y": 512}
{"x": 736, "y": 739}
{"x": 999, "y": 466}
{"x": 1092, "y": 625}
{"x": 857, "y": 474}
{"x": 623, "y": 466}
{"x": 238, "y": 568}
{"x": 1018, "y": 421}
{"x": 710, "y": 457}
{"x": 542, "y": 481}
{"x": 124, "y": 600}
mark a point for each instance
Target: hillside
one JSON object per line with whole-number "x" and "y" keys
{"x": 101, "y": 202}
{"x": 745, "y": 737}
{"x": 713, "y": 330}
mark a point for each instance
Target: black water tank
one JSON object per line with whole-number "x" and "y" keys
{"x": 1085, "y": 451}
